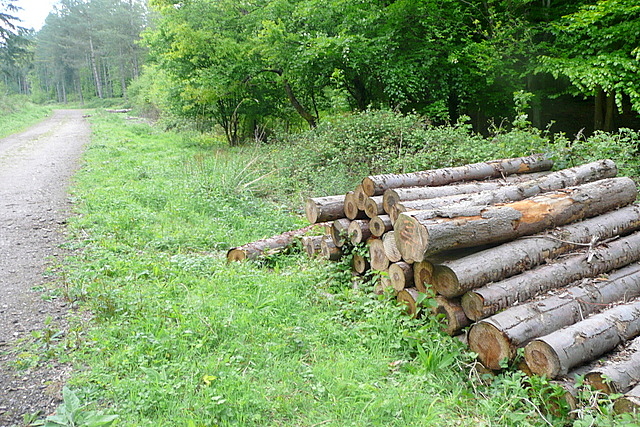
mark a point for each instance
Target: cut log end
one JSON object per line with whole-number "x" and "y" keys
{"x": 473, "y": 305}
{"x": 422, "y": 274}
{"x": 445, "y": 282}
{"x": 236, "y": 255}
{"x": 491, "y": 345}
{"x": 311, "y": 211}
{"x": 329, "y": 250}
{"x": 401, "y": 275}
{"x": 411, "y": 238}
{"x": 454, "y": 319}
{"x": 627, "y": 404}
{"x": 599, "y": 382}
{"x": 380, "y": 225}
{"x": 360, "y": 264}
{"x": 408, "y": 297}
{"x": 542, "y": 359}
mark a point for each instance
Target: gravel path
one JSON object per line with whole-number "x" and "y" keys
{"x": 35, "y": 169}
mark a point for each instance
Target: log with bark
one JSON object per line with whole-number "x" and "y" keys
{"x": 487, "y": 300}
{"x": 557, "y": 353}
{"x": 393, "y": 196}
{"x": 376, "y": 185}
{"x": 629, "y": 403}
{"x": 455, "y": 277}
{"x": 321, "y": 209}
{"x": 554, "y": 181}
{"x": 422, "y": 274}
{"x": 497, "y": 338}
{"x": 378, "y": 258}
{"x": 271, "y": 245}
{"x": 329, "y": 250}
{"x": 380, "y": 225}
{"x": 401, "y": 275}
{"x": 619, "y": 372}
{"x": 358, "y": 231}
{"x": 390, "y": 248}
{"x": 422, "y": 233}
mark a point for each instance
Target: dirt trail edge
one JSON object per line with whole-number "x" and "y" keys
{"x": 35, "y": 170}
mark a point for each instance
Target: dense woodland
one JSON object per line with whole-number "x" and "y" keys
{"x": 256, "y": 66}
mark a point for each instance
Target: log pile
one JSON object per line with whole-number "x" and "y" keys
{"x": 515, "y": 255}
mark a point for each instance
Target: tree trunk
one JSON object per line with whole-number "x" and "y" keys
{"x": 497, "y": 338}
{"x": 554, "y": 181}
{"x": 409, "y": 297}
{"x": 490, "y": 299}
{"x": 393, "y": 196}
{"x": 329, "y": 250}
{"x": 380, "y": 225}
{"x": 621, "y": 370}
{"x": 311, "y": 245}
{"x": 610, "y": 112}
{"x": 351, "y": 209}
{"x": 310, "y": 118}
{"x": 555, "y": 354}
{"x": 390, "y": 249}
{"x": 379, "y": 260}
{"x": 598, "y": 116}
{"x": 401, "y": 275}
{"x": 339, "y": 231}
{"x": 456, "y": 277}
{"x": 321, "y": 209}
{"x": 373, "y": 206}
{"x": 94, "y": 68}
{"x": 630, "y": 402}
{"x": 255, "y": 250}
{"x": 376, "y": 185}
{"x": 358, "y": 231}
{"x": 453, "y": 318}
{"x": 423, "y": 233}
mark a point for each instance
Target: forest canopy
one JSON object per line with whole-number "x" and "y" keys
{"x": 253, "y": 66}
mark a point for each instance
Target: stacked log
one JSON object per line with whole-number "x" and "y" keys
{"x": 520, "y": 257}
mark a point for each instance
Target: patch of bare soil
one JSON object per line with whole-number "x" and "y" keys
{"x": 35, "y": 169}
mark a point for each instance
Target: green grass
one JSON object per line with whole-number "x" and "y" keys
{"x": 178, "y": 337}
{"x": 17, "y": 114}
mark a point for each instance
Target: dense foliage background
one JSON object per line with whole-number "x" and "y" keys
{"x": 257, "y": 67}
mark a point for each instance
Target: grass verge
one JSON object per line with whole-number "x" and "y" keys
{"x": 18, "y": 114}
{"x": 178, "y": 337}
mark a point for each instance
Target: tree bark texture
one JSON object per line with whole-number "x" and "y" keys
{"x": 554, "y": 181}
{"x": 255, "y": 250}
{"x": 376, "y": 185}
{"x": 380, "y": 225}
{"x": 321, "y": 209}
{"x": 487, "y": 300}
{"x": 497, "y": 338}
{"x": 455, "y": 277}
{"x": 619, "y": 372}
{"x": 555, "y": 354}
{"x": 394, "y": 196}
{"x": 423, "y": 233}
